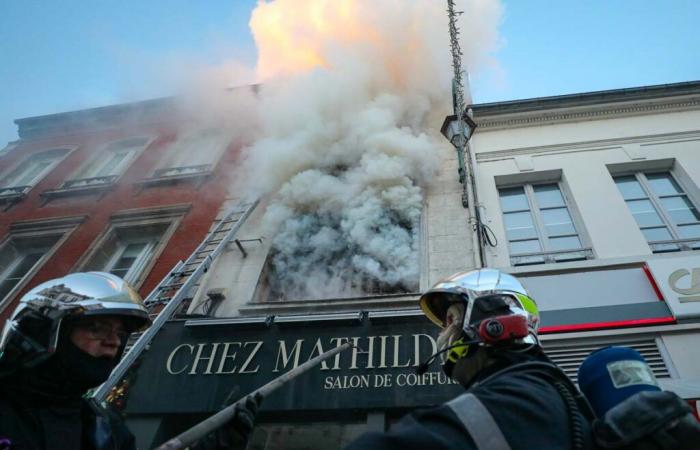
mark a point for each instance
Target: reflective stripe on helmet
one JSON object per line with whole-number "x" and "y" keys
{"x": 529, "y": 304}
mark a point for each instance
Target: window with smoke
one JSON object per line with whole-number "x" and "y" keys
{"x": 369, "y": 247}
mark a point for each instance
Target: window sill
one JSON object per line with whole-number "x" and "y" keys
{"x": 352, "y": 304}
{"x": 557, "y": 257}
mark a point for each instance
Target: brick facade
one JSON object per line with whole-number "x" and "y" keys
{"x": 204, "y": 196}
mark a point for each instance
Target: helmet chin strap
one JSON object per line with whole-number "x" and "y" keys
{"x": 423, "y": 367}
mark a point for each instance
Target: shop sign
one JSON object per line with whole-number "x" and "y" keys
{"x": 195, "y": 369}
{"x": 678, "y": 280}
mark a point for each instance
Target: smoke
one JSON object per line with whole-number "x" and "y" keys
{"x": 346, "y": 127}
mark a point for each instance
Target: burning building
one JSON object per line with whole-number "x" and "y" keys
{"x": 348, "y": 204}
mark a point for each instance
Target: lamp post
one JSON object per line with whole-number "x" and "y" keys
{"x": 458, "y": 132}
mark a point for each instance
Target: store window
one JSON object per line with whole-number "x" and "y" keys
{"x": 109, "y": 164}
{"x": 193, "y": 153}
{"x": 305, "y": 436}
{"x": 665, "y": 214}
{"x": 539, "y": 225}
{"x": 30, "y": 171}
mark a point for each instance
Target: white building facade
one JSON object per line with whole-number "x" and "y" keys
{"x": 592, "y": 199}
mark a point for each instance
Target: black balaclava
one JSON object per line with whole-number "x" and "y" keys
{"x": 67, "y": 374}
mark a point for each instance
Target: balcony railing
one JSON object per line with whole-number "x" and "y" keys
{"x": 169, "y": 175}
{"x": 576, "y": 254}
{"x": 11, "y": 194}
{"x": 82, "y": 186}
{"x": 91, "y": 181}
{"x": 182, "y": 171}
{"x": 674, "y": 245}
{"x": 13, "y": 191}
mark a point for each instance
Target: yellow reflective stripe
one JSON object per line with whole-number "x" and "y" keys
{"x": 528, "y": 303}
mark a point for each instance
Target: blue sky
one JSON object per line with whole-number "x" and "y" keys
{"x": 70, "y": 54}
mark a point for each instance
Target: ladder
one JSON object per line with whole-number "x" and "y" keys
{"x": 176, "y": 286}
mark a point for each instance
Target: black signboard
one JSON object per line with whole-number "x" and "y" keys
{"x": 193, "y": 369}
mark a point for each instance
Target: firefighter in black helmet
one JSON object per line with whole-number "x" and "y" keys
{"x": 515, "y": 397}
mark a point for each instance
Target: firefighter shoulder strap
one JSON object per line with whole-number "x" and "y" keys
{"x": 479, "y": 422}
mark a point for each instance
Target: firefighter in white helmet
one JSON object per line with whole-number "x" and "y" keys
{"x": 65, "y": 337}
{"x": 515, "y": 398}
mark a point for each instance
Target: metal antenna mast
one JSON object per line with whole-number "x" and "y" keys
{"x": 457, "y": 83}
{"x": 466, "y": 171}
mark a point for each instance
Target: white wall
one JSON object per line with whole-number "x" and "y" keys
{"x": 582, "y": 150}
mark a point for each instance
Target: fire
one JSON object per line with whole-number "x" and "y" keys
{"x": 351, "y": 93}
{"x": 296, "y": 36}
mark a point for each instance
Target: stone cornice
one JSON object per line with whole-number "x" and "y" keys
{"x": 594, "y": 145}
{"x": 569, "y": 114}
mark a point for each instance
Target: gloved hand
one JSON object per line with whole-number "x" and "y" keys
{"x": 244, "y": 418}
{"x": 235, "y": 434}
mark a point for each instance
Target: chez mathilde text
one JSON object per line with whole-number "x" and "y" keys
{"x": 381, "y": 356}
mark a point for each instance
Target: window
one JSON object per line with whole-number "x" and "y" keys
{"x": 539, "y": 226}
{"x": 18, "y": 256}
{"x": 107, "y": 165}
{"x": 133, "y": 241}
{"x": 668, "y": 219}
{"x": 30, "y": 171}
{"x": 128, "y": 250}
{"x": 29, "y": 244}
{"x": 193, "y": 153}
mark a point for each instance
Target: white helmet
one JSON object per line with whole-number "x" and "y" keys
{"x": 31, "y": 334}
{"x": 458, "y": 304}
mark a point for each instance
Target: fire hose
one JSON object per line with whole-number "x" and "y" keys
{"x": 197, "y": 432}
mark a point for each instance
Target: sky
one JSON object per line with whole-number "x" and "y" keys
{"x": 71, "y": 54}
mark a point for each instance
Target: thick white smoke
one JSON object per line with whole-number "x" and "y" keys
{"x": 352, "y": 97}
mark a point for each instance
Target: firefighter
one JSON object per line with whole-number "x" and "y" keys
{"x": 64, "y": 338}
{"x": 515, "y": 397}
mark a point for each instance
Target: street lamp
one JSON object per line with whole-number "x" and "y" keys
{"x": 456, "y": 131}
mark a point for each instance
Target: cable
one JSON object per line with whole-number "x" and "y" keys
{"x": 577, "y": 441}
{"x": 488, "y": 236}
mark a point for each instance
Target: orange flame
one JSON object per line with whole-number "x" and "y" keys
{"x": 295, "y": 36}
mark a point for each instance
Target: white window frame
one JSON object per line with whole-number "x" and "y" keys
{"x": 12, "y": 188}
{"x": 177, "y": 153}
{"x": 548, "y": 256}
{"x": 88, "y": 174}
{"x": 139, "y": 263}
{"x": 170, "y": 216}
{"x": 683, "y": 244}
{"x": 60, "y": 227}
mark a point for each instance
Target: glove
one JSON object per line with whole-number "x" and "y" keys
{"x": 244, "y": 417}
{"x": 648, "y": 420}
{"x": 235, "y": 434}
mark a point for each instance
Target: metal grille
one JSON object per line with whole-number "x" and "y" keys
{"x": 570, "y": 356}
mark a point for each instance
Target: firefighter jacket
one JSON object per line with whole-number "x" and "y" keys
{"x": 526, "y": 408}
